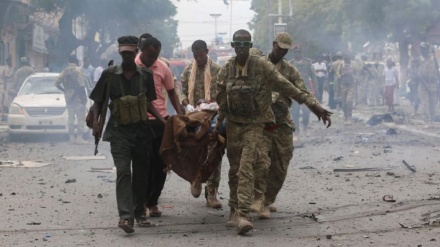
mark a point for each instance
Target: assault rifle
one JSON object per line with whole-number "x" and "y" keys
{"x": 103, "y": 115}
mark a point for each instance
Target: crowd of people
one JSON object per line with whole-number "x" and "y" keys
{"x": 260, "y": 100}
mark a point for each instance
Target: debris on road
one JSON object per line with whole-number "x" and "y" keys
{"x": 391, "y": 131}
{"x": 109, "y": 170}
{"x": 26, "y": 163}
{"x": 90, "y": 157}
{"x": 368, "y": 169}
{"x": 388, "y": 198}
{"x": 411, "y": 168}
{"x": 69, "y": 181}
{"x": 338, "y": 158}
{"x": 307, "y": 168}
{"x": 33, "y": 223}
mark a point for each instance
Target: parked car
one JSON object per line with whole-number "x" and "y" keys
{"x": 40, "y": 107}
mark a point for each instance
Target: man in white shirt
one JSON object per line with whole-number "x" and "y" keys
{"x": 321, "y": 74}
{"x": 391, "y": 75}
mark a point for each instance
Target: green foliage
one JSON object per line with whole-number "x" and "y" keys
{"x": 109, "y": 19}
{"x": 323, "y": 25}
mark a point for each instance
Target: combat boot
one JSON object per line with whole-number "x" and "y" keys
{"x": 244, "y": 225}
{"x": 273, "y": 208}
{"x": 233, "y": 219}
{"x": 196, "y": 188}
{"x": 72, "y": 138}
{"x": 257, "y": 203}
{"x": 264, "y": 213}
{"x": 211, "y": 198}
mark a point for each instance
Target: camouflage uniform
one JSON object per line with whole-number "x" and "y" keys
{"x": 307, "y": 72}
{"x": 336, "y": 83}
{"x": 281, "y": 135}
{"x": 199, "y": 87}
{"x": 199, "y": 93}
{"x": 428, "y": 88}
{"x": 20, "y": 76}
{"x": 374, "y": 87}
{"x": 345, "y": 75}
{"x": 244, "y": 96}
{"x": 73, "y": 80}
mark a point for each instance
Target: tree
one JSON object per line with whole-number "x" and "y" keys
{"x": 106, "y": 19}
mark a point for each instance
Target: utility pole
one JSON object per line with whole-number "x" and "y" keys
{"x": 216, "y": 16}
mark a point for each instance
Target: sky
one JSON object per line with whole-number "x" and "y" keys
{"x": 195, "y": 21}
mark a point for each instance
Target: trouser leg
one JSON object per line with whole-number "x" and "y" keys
{"x": 281, "y": 154}
{"x": 124, "y": 195}
{"x": 156, "y": 176}
{"x": 141, "y": 166}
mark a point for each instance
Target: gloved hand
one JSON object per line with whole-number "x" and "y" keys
{"x": 189, "y": 108}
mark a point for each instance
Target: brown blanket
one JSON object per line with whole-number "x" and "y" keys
{"x": 187, "y": 148}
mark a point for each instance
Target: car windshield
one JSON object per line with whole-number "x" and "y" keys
{"x": 40, "y": 85}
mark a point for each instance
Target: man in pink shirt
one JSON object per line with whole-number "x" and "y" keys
{"x": 164, "y": 83}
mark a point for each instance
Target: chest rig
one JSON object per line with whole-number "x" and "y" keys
{"x": 129, "y": 109}
{"x": 242, "y": 91}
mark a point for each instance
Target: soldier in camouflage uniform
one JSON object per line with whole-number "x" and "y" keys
{"x": 305, "y": 68}
{"x": 195, "y": 78}
{"x": 334, "y": 85}
{"x": 280, "y": 133}
{"x": 72, "y": 82}
{"x": 428, "y": 85}
{"x": 346, "y": 79}
{"x": 21, "y": 74}
{"x": 244, "y": 93}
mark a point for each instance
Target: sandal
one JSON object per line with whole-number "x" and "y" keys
{"x": 154, "y": 211}
{"x": 126, "y": 225}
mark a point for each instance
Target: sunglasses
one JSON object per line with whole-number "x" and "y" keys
{"x": 241, "y": 44}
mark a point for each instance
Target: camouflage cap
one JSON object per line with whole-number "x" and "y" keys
{"x": 283, "y": 40}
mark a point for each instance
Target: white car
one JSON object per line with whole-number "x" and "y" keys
{"x": 40, "y": 107}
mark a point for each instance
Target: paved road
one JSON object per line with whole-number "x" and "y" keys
{"x": 317, "y": 206}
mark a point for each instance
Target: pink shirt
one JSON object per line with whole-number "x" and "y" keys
{"x": 163, "y": 81}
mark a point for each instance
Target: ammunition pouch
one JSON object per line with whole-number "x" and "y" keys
{"x": 241, "y": 100}
{"x": 129, "y": 109}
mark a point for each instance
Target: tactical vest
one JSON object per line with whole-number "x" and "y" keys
{"x": 242, "y": 92}
{"x": 129, "y": 109}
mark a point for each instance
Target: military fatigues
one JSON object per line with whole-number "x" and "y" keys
{"x": 73, "y": 81}
{"x": 244, "y": 95}
{"x": 428, "y": 87}
{"x": 414, "y": 82}
{"x": 199, "y": 93}
{"x": 131, "y": 143}
{"x": 280, "y": 134}
{"x": 334, "y": 84}
{"x": 20, "y": 76}
{"x": 307, "y": 72}
{"x": 347, "y": 86}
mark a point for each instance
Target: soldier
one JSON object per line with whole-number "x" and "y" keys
{"x": 334, "y": 88}
{"x": 305, "y": 68}
{"x": 72, "y": 82}
{"x": 199, "y": 81}
{"x": 131, "y": 90}
{"x": 428, "y": 83}
{"x": 346, "y": 80}
{"x": 164, "y": 86}
{"x": 244, "y": 97}
{"x": 280, "y": 133}
{"x": 21, "y": 74}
